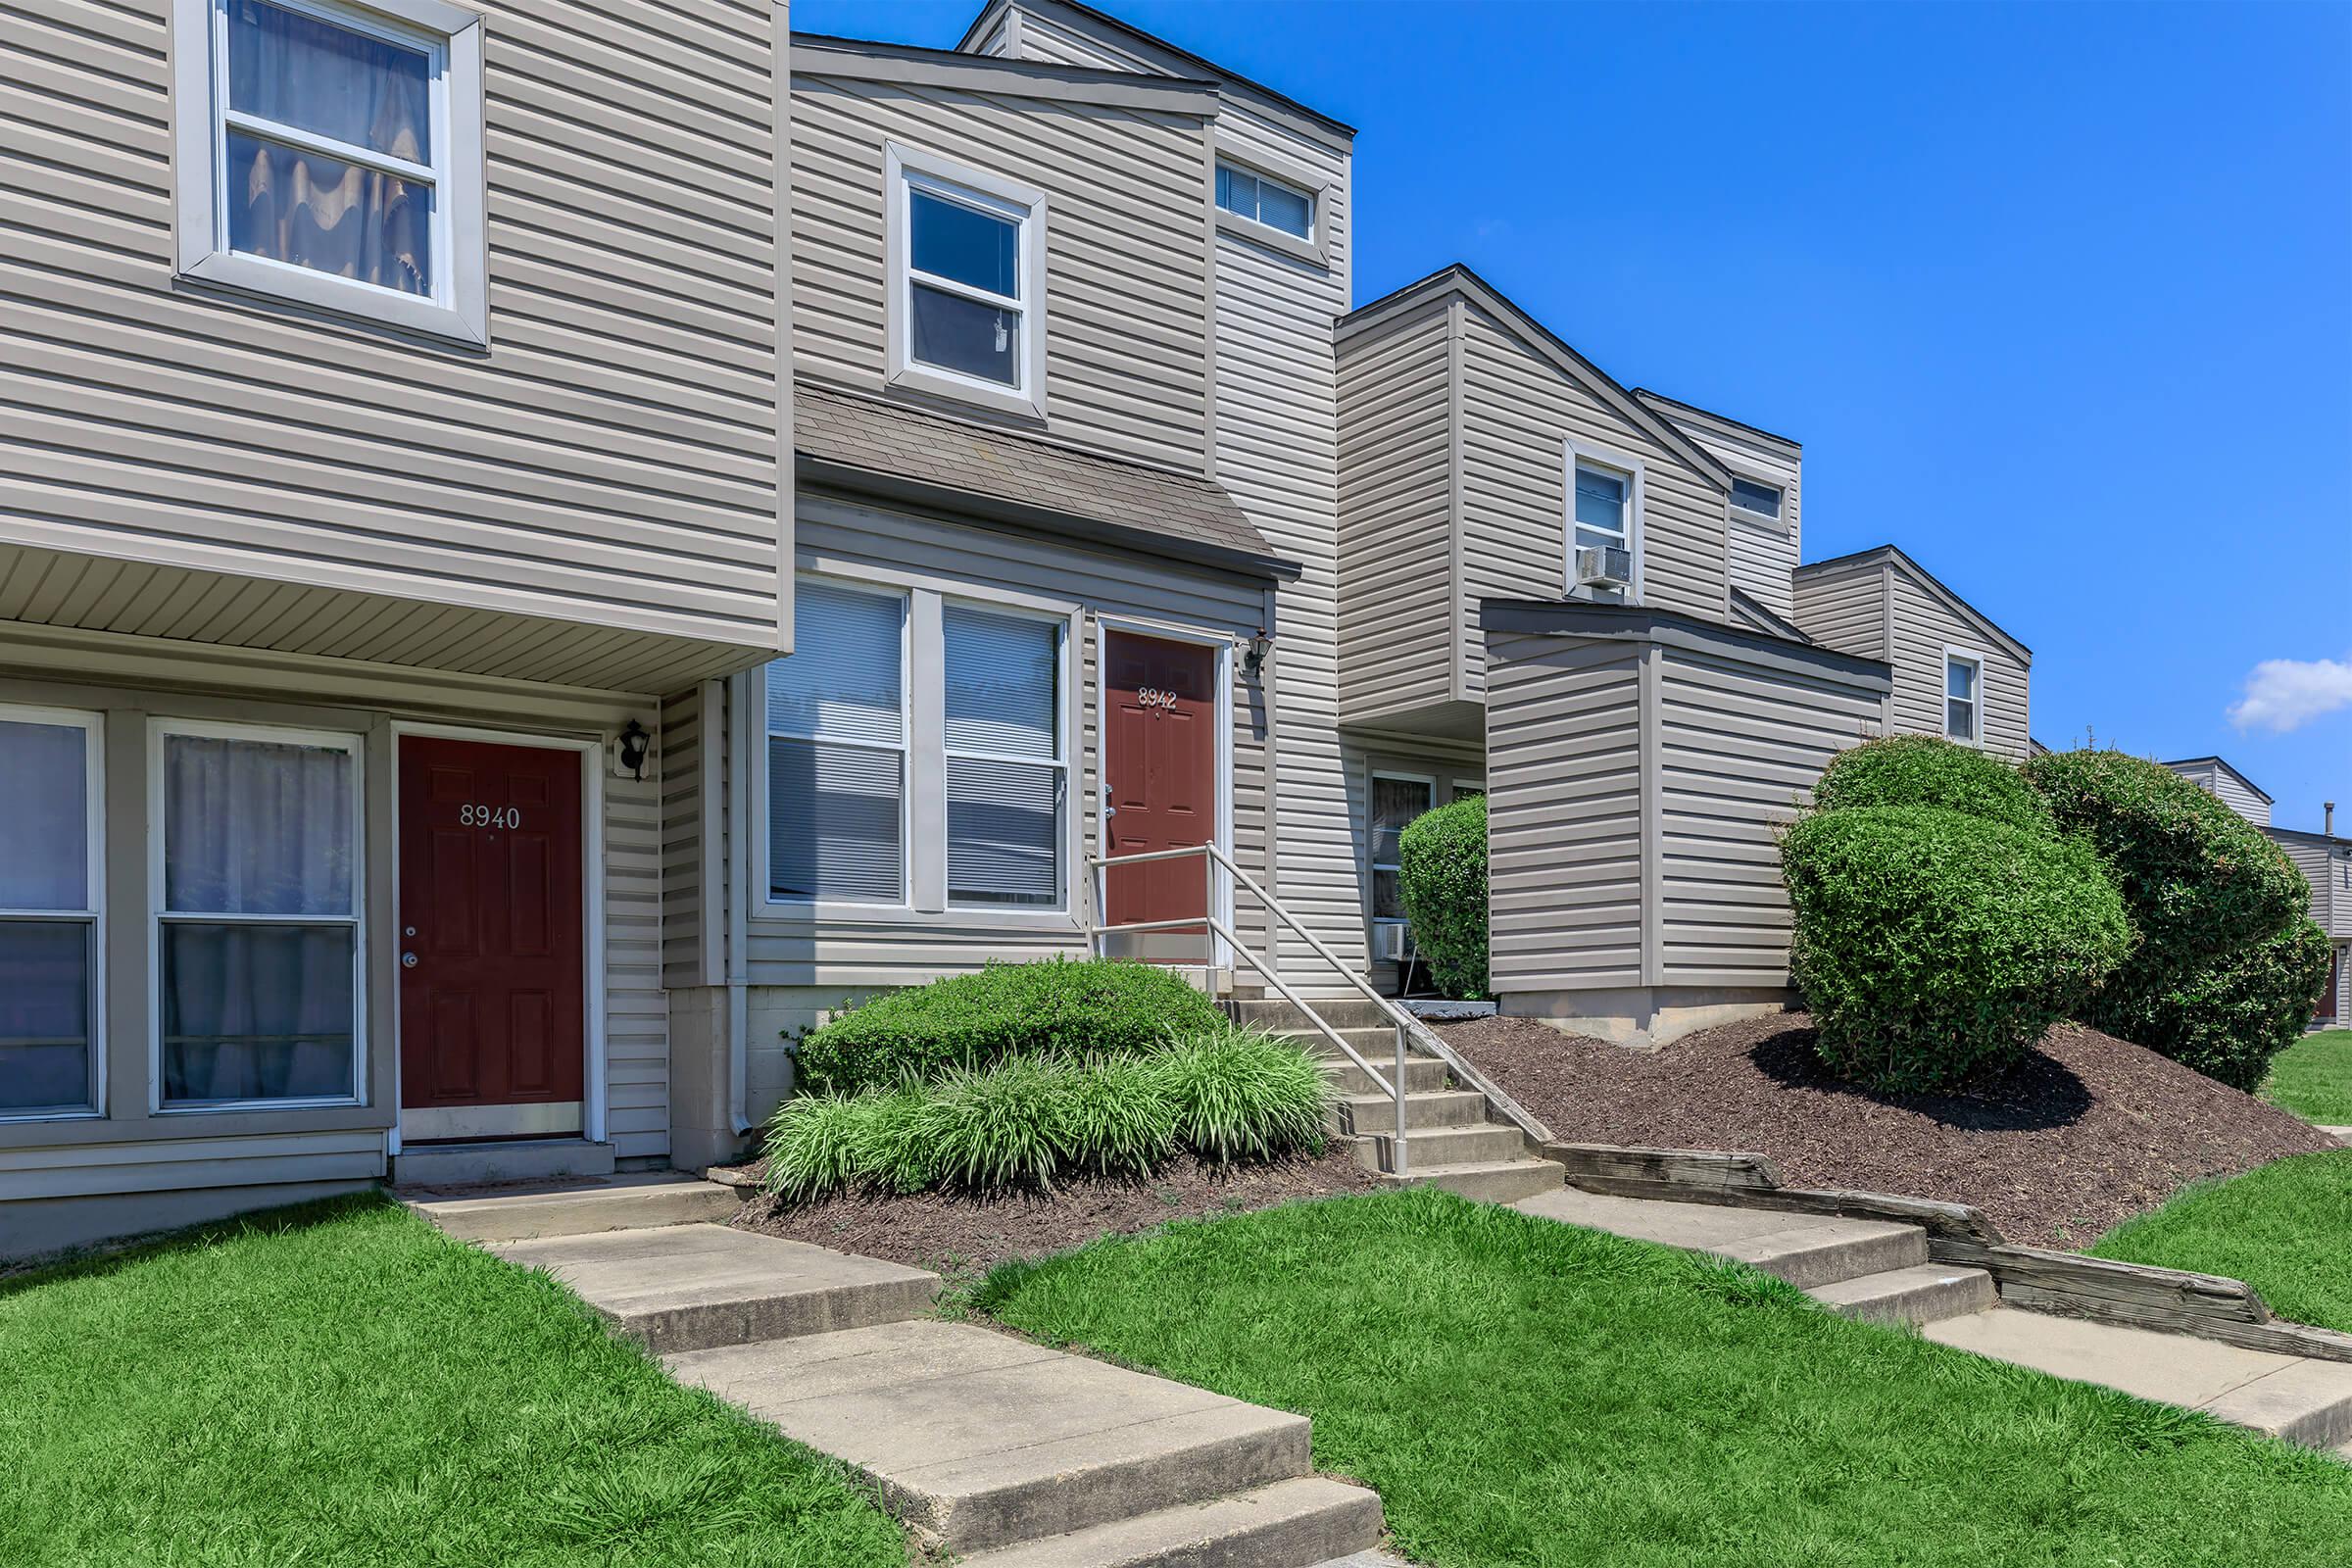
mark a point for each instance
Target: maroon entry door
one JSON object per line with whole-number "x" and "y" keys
{"x": 1159, "y": 773}
{"x": 493, "y": 1040}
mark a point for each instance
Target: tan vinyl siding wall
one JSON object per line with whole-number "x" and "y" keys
{"x": 1845, "y": 611}
{"x": 1760, "y": 558}
{"x": 1923, "y": 628}
{"x": 1564, "y": 824}
{"x": 612, "y": 459}
{"x": 2329, "y": 870}
{"x": 905, "y": 948}
{"x": 1518, "y": 412}
{"x": 1397, "y": 605}
{"x": 1126, "y": 247}
{"x": 1739, "y": 751}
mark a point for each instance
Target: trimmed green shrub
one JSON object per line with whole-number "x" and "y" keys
{"x": 1441, "y": 875}
{"x": 1931, "y": 945}
{"x": 1924, "y": 771}
{"x": 2228, "y": 1019}
{"x": 2201, "y": 882}
{"x": 1243, "y": 1094}
{"x": 1078, "y": 1010}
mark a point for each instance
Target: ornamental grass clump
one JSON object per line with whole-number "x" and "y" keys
{"x": 1243, "y": 1094}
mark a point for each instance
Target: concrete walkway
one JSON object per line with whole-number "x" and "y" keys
{"x": 1000, "y": 1451}
{"x": 2342, "y": 1135}
{"x": 1879, "y": 1271}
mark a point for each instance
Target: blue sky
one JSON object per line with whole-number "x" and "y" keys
{"x": 2057, "y": 297}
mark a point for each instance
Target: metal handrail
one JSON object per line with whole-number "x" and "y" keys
{"x": 1391, "y": 1084}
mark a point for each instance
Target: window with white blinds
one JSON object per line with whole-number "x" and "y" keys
{"x": 837, "y": 749}
{"x": 1006, "y": 777}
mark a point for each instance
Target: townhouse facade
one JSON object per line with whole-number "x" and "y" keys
{"x": 548, "y": 548}
{"x": 2324, "y": 858}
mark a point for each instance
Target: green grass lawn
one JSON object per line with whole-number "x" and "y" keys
{"x": 344, "y": 1384}
{"x": 1527, "y": 1393}
{"x": 2313, "y": 1078}
{"x": 2286, "y": 1229}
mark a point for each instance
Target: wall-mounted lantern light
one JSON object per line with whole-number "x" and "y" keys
{"x": 635, "y": 741}
{"x": 1253, "y": 662}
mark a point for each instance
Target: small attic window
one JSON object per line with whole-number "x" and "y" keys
{"x": 1756, "y": 501}
{"x": 1263, "y": 199}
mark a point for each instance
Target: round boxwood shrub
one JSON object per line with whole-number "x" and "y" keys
{"x": 2228, "y": 1019}
{"x": 1077, "y": 1009}
{"x": 1442, "y": 873}
{"x": 1924, "y": 771}
{"x": 1932, "y": 945}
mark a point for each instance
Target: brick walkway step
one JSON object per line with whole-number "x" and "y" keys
{"x": 1925, "y": 1293}
{"x": 1286, "y": 1525}
{"x": 572, "y": 1208}
{"x": 1499, "y": 1181}
{"x": 1805, "y": 1250}
{"x": 693, "y": 1287}
{"x": 982, "y": 1441}
{"x": 2291, "y": 1397}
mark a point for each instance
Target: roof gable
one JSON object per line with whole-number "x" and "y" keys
{"x": 2222, "y": 764}
{"x": 1890, "y": 557}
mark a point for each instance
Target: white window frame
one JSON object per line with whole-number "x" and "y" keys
{"x": 906, "y": 169}
{"x": 1582, "y": 454}
{"x": 459, "y": 307}
{"x": 1061, "y": 622}
{"x": 1315, "y": 247}
{"x": 93, "y": 728}
{"x": 1757, "y": 519}
{"x": 1976, "y": 704}
{"x": 791, "y": 905}
{"x": 1374, "y": 865}
{"x": 159, "y": 731}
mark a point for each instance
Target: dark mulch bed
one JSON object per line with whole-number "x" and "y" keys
{"x": 962, "y": 1238}
{"x": 2086, "y": 1131}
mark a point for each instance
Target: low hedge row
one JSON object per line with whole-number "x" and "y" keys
{"x": 1030, "y": 1121}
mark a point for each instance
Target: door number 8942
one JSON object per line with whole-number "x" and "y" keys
{"x": 472, "y": 816}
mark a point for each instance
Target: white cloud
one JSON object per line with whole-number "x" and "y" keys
{"x": 2287, "y": 694}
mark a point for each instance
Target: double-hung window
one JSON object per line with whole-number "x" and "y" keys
{"x": 1963, "y": 698}
{"x": 257, "y": 898}
{"x": 49, "y": 913}
{"x": 1396, "y": 799}
{"x": 837, "y": 749}
{"x": 1603, "y": 524}
{"x": 1007, "y": 782}
{"x": 331, "y": 153}
{"x": 966, "y": 313}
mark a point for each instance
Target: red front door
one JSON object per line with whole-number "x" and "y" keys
{"x": 492, "y": 1012}
{"x": 1159, "y": 771}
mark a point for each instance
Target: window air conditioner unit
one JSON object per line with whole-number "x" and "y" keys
{"x": 1392, "y": 941}
{"x": 1605, "y": 566}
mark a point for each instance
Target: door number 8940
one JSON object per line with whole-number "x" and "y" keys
{"x": 472, "y": 816}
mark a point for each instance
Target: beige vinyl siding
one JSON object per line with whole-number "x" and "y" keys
{"x": 902, "y": 946}
{"x": 1739, "y": 749}
{"x": 1760, "y": 558}
{"x": 1844, "y": 610}
{"x": 611, "y": 460}
{"x": 1397, "y": 605}
{"x": 1448, "y": 764}
{"x": 636, "y": 1005}
{"x": 170, "y": 1163}
{"x": 1042, "y": 39}
{"x": 1923, "y": 626}
{"x": 1126, "y": 247}
{"x": 2327, "y": 867}
{"x": 694, "y": 905}
{"x": 1564, "y": 825}
{"x": 1518, "y": 413}
{"x": 2240, "y": 799}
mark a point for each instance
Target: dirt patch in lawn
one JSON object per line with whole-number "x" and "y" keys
{"x": 2085, "y": 1131}
{"x": 964, "y": 1237}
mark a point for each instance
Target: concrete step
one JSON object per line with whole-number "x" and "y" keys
{"x": 1422, "y": 1074}
{"x": 573, "y": 1208}
{"x": 1377, "y": 1113}
{"x": 520, "y": 1160}
{"x": 2291, "y": 1397}
{"x": 1806, "y": 1251}
{"x": 1289, "y": 1524}
{"x": 1500, "y": 1181}
{"x": 1485, "y": 1144}
{"x": 982, "y": 1441}
{"x": 1925, "y": 1293}
{"x": 693, "y": 1287}
{"x": 1341, "y": 1013}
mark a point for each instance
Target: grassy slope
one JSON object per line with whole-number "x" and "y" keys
{"x": 1528, "y": 1393}
{"x": 347, "y": 1386}
{"x": 2286, "y": 1229}
{"x": 2313, "y": 1078}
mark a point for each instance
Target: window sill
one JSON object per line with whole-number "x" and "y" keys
{"x": 804, "y": 915}
{"x": 253, "y": 277}
{"x": 1314, "y": 252}
{"x": 956, "y": 390}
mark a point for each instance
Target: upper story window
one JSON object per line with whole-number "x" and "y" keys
{"x": 1756, "y": 501}
{"x": 50, "y": 887}
{"x": 1263, "y": 199}
{"x": 967, "y": 308}
{"x": 1963, "y": 698}
{"x": 332, "y": 156}
{"x": 1604, "y": 528}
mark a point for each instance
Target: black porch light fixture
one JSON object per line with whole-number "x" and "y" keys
{"x": 635, "y": 741}
{"x": 1253, "y": 660}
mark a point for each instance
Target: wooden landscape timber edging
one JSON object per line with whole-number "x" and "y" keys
{"x": 2136, "y": 1296}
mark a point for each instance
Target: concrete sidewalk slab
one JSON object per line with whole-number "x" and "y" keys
{"x": 1807, "y": 1250}
{"x": 690, "y": 1287}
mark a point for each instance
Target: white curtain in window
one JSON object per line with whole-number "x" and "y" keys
{"x": 256, "y": 827}
{"x": 257, "y": 1012}
{"x": 44, "y": 848}
{"x": 44, "y": 1015}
